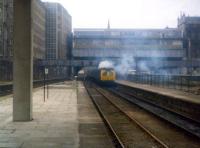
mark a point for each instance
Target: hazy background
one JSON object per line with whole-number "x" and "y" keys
{"x": 128, "y": 13}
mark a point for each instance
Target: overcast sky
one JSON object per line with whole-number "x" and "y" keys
{"x": 128, "y": 13}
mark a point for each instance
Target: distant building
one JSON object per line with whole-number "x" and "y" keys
{"x": 169, "y": 50}
{"x": 38, "y": 29}
{"x": 6, "y": 36}
{"x": 190, "y": 27}
{"x": 1, "y": 28}
{"x": 6, "y": 29}
{"x": 58, "y": 31}
{"x": 144, "y": 49}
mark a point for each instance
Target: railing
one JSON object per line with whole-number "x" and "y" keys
{"x": 7, "y": 88}
{"x": 181, "y": 82}
{"x": 58, "y": 71}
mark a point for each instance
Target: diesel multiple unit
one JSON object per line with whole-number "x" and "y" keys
{"x": 101, "y": 75}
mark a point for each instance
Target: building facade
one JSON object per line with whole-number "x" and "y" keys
{"x": 6, "y": 36}
{"x": 6, "y": 29}
{"x": 38, "y": 30}
{"x": 58, "y": 39}
{"x": 1, "y": 28}
{"x": 6, "y": 39}
{"x": 143, "y": 49}
{"x": 190, "y": 27}
{"x": 169, "y": 50}
{"x": 58, "y": 31}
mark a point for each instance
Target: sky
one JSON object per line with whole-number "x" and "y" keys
{"x": 128, "y": 13}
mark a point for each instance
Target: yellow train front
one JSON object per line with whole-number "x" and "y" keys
{"x": 103, "y": 76}
{"x": 107, "y": 74}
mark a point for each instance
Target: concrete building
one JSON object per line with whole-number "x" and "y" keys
{"x": 58, "y": 31}
{"x": 38, "y": 30}
{"x": 144, "y": 49}
{"x": 6, "y": 35}
{"x": 171, "y": 50}
{"x": 6, "y": 29}
{"x": 58, "y": 38}
{"x": 190, "y": 28}
{"x": 1, "y": 28}
{"x": 6, "y": 39}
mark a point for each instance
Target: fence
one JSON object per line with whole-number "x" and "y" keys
{"x": 55, "y": 71}
{"x": 181, "y": 82}
{"x": 6, "y": 70}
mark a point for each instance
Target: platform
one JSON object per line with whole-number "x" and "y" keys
{"x": 179, "y": 102}
{"x": 92, "y": 131}
{"x": 172, "y": 93}
{"x": 61, "y": 121}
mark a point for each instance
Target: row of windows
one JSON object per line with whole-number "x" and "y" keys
{"x": 50, "y": 30}
{"x": 50, "y": 45}
{"x": 51, "y": 51}
{"x": 92, "y": 42}
{"x": 49, "y": 18}
{"x": 51, "y": 39}
{"x": 51, "y": 56}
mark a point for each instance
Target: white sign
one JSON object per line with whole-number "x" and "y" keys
{"x": 46, "y": 71}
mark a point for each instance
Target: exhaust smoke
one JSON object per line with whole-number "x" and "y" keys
{"x": 105, "y": 64}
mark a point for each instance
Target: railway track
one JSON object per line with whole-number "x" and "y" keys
{"x": 187, "y": 109}
{"x": 185, "y": 123}
{"x": 127, "y": 131}
{"x": 134, "y": 126}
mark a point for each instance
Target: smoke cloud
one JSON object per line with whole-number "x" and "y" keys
{"x": 105, "y": 64}
{"x": 127, "y": 62}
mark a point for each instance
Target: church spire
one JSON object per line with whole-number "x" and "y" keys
{"x": 108, "y": 27}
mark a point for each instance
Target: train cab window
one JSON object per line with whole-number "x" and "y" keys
{"x": 104, "y": 73}
{"x": 111, "y": 73}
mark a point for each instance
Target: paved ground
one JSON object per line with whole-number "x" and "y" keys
{"x": 60, "y": 122}
{"x": 165, "y": 91}
{"x": 92, "y": 132}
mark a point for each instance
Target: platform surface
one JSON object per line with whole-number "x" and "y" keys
{"x": 92, "y": 131}
{"x": 174, "y": 93}
{"x": 62, "y": 121}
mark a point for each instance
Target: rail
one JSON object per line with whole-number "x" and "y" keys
{"x": 134, "y": 120}
{"x": 121, "y": 115}
{"x": 189, "y": 125}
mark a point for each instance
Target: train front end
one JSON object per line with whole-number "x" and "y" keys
{"x": 107, "y": 75}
